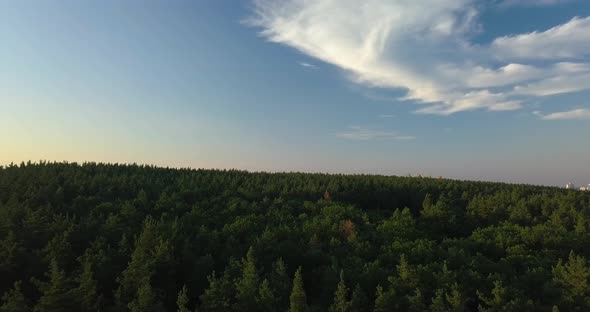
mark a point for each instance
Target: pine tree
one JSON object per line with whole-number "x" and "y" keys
{"x": 10, "y": 252}
{"x": 407, "y": 274}
{"x": 427, "y": 203}
{"x": 266, "y": 298}
{"x": 216, "y": 297}
{"x": 150, "y": 253}
{"x": 416, "y": 302}
{"x": 341, "y": 303}
{"x": 247, "y": 285}
{"x": 455, "y": 299}
{"x": 573, "y": 278}
{"x": 359, "y": 301}
{"x": 298, "y": 300}
{"x": 280, "y": 283}
{"x": 86, "y": 291}
{"x": 145, "y": 300}
{"x": 383, "y": 300}
{"x": 182, "y": 300}
{"x": 57, "y": 294}
{"x": 14, "y": 300}
{"x": 498, "y": 301}
{"x": 438, "y": 302}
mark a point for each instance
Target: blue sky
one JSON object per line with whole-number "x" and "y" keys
{"x": 486, "y": 90}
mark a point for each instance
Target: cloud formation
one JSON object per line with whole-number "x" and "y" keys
{"x": 363, "y": 134}
{"x": 425, "y": 48}
{"x": 575, "y": 114}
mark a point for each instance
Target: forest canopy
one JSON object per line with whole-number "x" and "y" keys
{"x": 111, "y": 237}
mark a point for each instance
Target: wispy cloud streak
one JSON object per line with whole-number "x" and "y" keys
{"x": 575, "y": 114}
{"x": 308, "y": 65}
{"x": 363, "y": 134}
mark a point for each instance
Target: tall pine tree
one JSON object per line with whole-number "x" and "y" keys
{"x": 182, "y": 300}
{"x": 341, "y": 302}
{"x": 57, "y": 294}
{"x": 266, "y": 299}
{"x": 247, "y": 285}
{"x": 298, "y": 300}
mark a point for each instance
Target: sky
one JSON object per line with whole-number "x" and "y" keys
{"x": 465, "y": 89}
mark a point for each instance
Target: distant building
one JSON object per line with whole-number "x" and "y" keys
{"x": 583, "y": 188}
{"x": 570, "y": 186}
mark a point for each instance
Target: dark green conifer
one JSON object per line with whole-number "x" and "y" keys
{"x": 14, "y": 300}
{"x": 298, "y": 299}
{"x": 341, "y": 302}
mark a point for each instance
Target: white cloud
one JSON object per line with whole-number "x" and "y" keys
{"x": 363, "y": 134}
{"x": 424, "y": 48}
{"x": 567, "y": 41}
{"x": 575, "y": 114}
{"x": 308, "y": 65}
{"x": 555, "y": 85}
{"x": 509, "y": 3}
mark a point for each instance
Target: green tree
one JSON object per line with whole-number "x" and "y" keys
{"x": 359, "y": 301}
{"x": 455, "y": 299}
{"x": 438, "y": 302}
{"x": 280, "y": 282}
{"x": 146, "y": 300}
{"x": 150, "y": 253}
{"x": 247, "y": 285}
{"x": 416, "y": 302}
{"x": 427, "y": 202}
{"x": 499, "y": 301}
{"x": 341, "y": 302}
{"x": 86, "y": 292}
{"x": 383, "y": 300}
{"x": 298, "y": 300}
{"x": 182, "y": 300}
{"x": 57, "y": 294}
{"x": 407, "y": 273}
{"x": 14, "y": 300}
{"x": 216, "y": 297}
{"x": 266, "y": 298}
{"x": 572, "y": 277}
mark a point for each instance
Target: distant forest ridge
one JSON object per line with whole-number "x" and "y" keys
{"x": 118, "y": 237}
{"x": 190, "y": 168}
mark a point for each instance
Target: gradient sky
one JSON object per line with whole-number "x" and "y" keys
{"x": 486, "y": 90}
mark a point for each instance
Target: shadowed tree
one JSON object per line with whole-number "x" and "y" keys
{"x": 14, "y": 300}
{"x": 280, "y": 282}
{"x": 359, "y": 301}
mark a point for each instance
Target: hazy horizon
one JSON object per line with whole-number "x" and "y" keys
{"x": 464, "y": 89}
